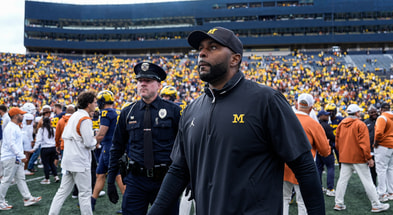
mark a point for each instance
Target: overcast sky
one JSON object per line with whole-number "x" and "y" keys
{"x": 12, "y": 19}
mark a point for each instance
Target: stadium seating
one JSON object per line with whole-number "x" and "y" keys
{"x": 47, "y": 79}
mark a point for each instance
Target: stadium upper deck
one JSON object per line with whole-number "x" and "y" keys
{"x": 163, "y": 27}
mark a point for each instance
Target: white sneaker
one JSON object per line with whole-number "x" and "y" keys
{"x": 102, "y": 193}
{"x": 57, "y": 179}
{"x": 331, "y": 192}
{"x": 390, "y": 196}
{"x": 31, "y": 201}
{"x": 40, "y": 166}
{"x": 383, "y": 198}
{"x": 45, "y": 181}
{"x": 5, "y": 207}
{"x": 340, "y": 207}
{"x": 27, "y": 172}
{"x": 379, "y": 207}
{"x": 74, "y": 197}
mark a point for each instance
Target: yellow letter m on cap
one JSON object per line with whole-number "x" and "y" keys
{"x": 238, "y": 118}
{"x": 211, "y": 31}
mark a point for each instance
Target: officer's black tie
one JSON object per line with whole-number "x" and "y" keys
{"x": 148, "y": 143}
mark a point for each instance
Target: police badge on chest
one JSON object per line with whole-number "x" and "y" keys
{"x": 132, "y": 120}
{"x": 162, "y": 114}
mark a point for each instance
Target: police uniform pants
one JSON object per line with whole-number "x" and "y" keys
{"x": 140, "y": 192}
{"x": 69, "y": 179}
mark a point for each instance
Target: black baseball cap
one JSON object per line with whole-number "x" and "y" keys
{"x": 149, "y": 70}
{"x": 323, "y": 113}
{"x": 222, "y": 35}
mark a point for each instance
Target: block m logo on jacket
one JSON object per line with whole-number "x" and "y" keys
{"x": 238, "y": 118}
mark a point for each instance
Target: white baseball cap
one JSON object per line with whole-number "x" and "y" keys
{"x": 305, "y": 100}
{"x": 28, "y": 116}
{"x": 70, "y": 105}
{"x": 45, "y": 108}
{"x": 353, "y": 108}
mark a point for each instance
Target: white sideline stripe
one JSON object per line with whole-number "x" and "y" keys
{"x": 35, "y": 179}
{"x": 32, "y": 179}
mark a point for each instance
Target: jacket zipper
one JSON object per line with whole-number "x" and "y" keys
{"x": 211, "y": 111}
{"x": 214, "y": 103}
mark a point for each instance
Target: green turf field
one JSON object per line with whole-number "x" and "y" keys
{"x": 355, "y": 199}
{"x": 103, "y": 206}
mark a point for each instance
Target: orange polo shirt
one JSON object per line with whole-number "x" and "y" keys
{"x": 317, "y": 138}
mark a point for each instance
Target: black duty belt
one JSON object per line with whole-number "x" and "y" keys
{"x": 157, "y": 173}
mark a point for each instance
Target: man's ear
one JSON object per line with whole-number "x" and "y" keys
{"x": 235, "y": 60}
{"x": 159, "y": 87}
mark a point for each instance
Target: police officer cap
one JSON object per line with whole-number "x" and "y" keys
{"x": 149, "y": 70}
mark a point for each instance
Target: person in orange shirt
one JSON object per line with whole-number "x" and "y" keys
{"x": 353, "y": 144}
{"x": 60, "y": 128}
{"x": 383, "y": 153}
{"x": 319, "y": 142}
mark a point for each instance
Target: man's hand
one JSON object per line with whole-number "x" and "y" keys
{"x": 370, "y": 163}
{"x": 188, "y": 193}
{"x": 112, "y": 193}
{"x": 376, "y": 144}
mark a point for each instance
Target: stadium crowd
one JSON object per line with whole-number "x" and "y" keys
{"x": 50, "y": 79}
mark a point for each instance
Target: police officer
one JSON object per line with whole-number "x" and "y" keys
{"x": 146, "y": 131}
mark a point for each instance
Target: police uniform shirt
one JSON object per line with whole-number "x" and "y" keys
{"x": 236, "y": 146}
{"x": 108, "y": 117}
{"x": 165, "y": 117}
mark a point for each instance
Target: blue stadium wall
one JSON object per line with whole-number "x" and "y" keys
{"x": 271, "y": 24}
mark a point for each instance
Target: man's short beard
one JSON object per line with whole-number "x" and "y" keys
{"x": 216, "y": 73}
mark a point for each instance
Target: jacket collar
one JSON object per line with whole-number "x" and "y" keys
{"x": 154, "y": 104}
{"x": 227, "y": 87}
{"x": 84, "y": 112}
